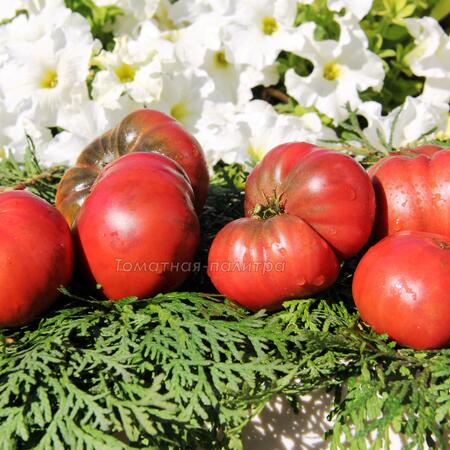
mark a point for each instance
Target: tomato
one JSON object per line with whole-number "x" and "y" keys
{"x": 36, "y": 257}
{"x": 401, "y": 287}
{"x": 306, "y": 208}
{"x": 143, "y": 130}
{"x": 426, "y": 149}
{"x": 328, "y": 190}
{"x": 413, "y": 192}
{"x": 137, "y": 231}
{"x": 260, "y": 263}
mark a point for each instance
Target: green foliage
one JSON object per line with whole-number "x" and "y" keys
{"x": 188, "y": 370}
{"x": 441, "y": 9}
{"x": 100, "y": 18}
{"x": 30, "y": 175}
{"x": 162, "y": 373}
{"x": 318, "y": 12}
{"x": 390, "y": 40}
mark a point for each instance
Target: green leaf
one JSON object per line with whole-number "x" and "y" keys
{"x": 441, "y": 10}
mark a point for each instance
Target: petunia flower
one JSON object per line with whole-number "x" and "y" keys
{"x": 134, "y": 13}
{"x": 265, "y": 129}
{"x": 81, "y": 124}
{"x": 431, "y": 57}
{"x": 130, "y": 68}
{"x": 341, "y": 69}
{"x": 15, "y": 129}
{"x": 258, "y": 30}
{"x": 45, "y": 62}
{"x": 403, "y": 125}
{"x": 221, "y": 134}
{"x": 183, "y": 96}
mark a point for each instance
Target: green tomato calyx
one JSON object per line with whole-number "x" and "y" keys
{"x": 274, "y": 205}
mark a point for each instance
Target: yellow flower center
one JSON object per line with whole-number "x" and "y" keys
{"x": 125, "y": 73}
{"x": 220, "y": 60}
{"x": 331, "y": 71}
{"x": 49, "y": 80}
{"x": 256, "y": 154}
{"x": 172, "y": 36}
{"x": 269, "y": 25}
{"x": 179, "y": 112}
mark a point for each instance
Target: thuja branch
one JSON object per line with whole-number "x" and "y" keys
{"x": 48, "y": 175}
{"x": 28, "y": 174}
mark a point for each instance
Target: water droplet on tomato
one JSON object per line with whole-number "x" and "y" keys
{"x": 301, "y": 282}
{"x": 318, "y": 281}
{"x": 352, "y": 194}
{"x": 397, "y": 225}
{"x": 333, "y": 231}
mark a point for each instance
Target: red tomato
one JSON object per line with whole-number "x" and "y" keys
{"x": 328, "y": 190}
{"x": 426, "y": 149}
{"x": 36, "y": 257}
{"x": 143, "y": 130}
{"x": 137, "y": 231}
{"x": 261, "y": 263}
{"x": 150, "y": 130}
{"x": 413, "y": 193}
{"x": 401, "y": 287}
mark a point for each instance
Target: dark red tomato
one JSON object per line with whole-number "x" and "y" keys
{"x": 413, "y": 193}
{"x": 137, "y": 231}
{"x": 329, "y": 190}
{"x": 261, "y": 263}
{"x": 143, "y": 130}
{"x": 36, "y": 257}
{"x": 401, "y": 287}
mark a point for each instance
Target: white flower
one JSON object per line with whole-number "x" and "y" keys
{"x": 183, "y": 96}
{"x": 265, "y": 129}
{"x": 258, "y": 31}
{"x": 43, "y": 19}
{"x": 192, "y": 42}
{"x": 359, "y": 8}
{"x": 221, "y": 134}
{"x": 130, "y": 68}
{"x": 155, "y": 42}
{"x": 47, "y": 66}
{"x": 234, "y": 82}
{"x": 134, "y": 13}
{"x": 341, "y": 69}
{"x": 14, "y": 128}
{"x": 244, "y": 134}
{"x": 412, "y": 120}
{"x": 8, "y": 8}
{"x": 82, "y": 124}
{"x": 40, "y": 21}
{"x": 188, "y": 11}
{"x": 431, "y": 57}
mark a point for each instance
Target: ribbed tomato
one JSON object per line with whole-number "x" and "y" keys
{"x": 328, "y": 190}
{"x": 401, "y": 287}
{"x": 306, "y": 208}
{"x": 260, "y": 263}
{"x": 143, "y": 130}
{"x": 36, "y": 257}
{"x": 413, "y": 192}
{"x": 137, "y": 231}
